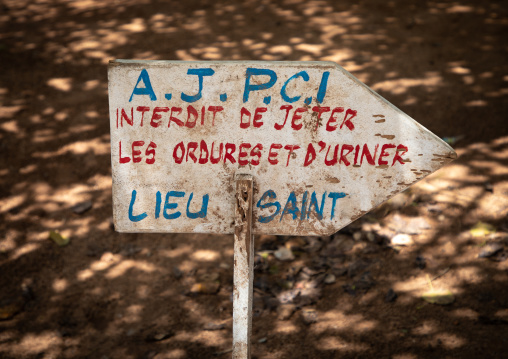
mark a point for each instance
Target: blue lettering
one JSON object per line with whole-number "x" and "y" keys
{"x": 270, "y": 194}
{"x": 285, "y": 97}
{"x": 168, "y": 205}
{"x": 322, "y": 87}
{"x": 201, "y": 73}
{"x": 314, "y": 202}
{"x": 304, "y": 205}
{"x": 293, "y": 209}
{"x": 204, "y": 207}
{"x": 335, "y": 196}
{"x": 255, "y": 72}
{"x": 138, "y": 217}
{"x": 158, "y": 200}
{"x": 147, "y": 90}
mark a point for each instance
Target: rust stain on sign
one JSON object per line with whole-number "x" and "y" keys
{"x": 180, "y": 131}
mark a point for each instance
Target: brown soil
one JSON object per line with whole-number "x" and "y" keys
{"x": 111, "y": 295}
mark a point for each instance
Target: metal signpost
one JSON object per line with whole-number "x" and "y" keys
{"x": 286, "y": 148}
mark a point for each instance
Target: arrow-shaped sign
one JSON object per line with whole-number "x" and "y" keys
{"x": 322, "y": 147}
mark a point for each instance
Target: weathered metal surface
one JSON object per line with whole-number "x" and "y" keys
{"x": 244, "y": 268}
{"x": 322, "y": 147}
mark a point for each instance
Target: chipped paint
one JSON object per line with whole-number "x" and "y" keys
{"x": 315, "y": 140}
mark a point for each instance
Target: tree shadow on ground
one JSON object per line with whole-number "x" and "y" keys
{"x": 106, "y": 294}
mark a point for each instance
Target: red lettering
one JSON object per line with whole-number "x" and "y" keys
{"x": 150, "y": 150}
{"x": 343, "y": 156}
{"x": 230, "y": 149}
{"x": 154, "y": 122}
{"x": 181, "y": 146}
{"x": 214, "y": 110}
{"x": 290, "y": 148}
{"x": 398, "y": 156}
{"x": 332, "y": 119}
{"x": 310, "y": 156}
{"x": 203, "y": 115}
{"x": 191, "y": 148}
{"x": 383, "y": 153}
{"x": 347, "y": 121}
{"x": 136, "y": 153}
{"x": 272, "y": 156}
{"x": 366, "y": 153}
{"x": 287, "y": 108}
{"x": 216, "y": 160}
{"x": 203, "y": 146}
{"x": 123, "y": 159}
{"x": 244, "y": 111}
{"x": 257, "y": 116}
{"x": 176, "y": 120}
{"x": 123, "y": 116}
{"x": 319, "y": 110}
{"x": 357, "y": 150}
{"x": 191, "y": 111}
{"x": 142, "y": 109}
{"x": 297, "y": 116}
{"x": 256, "y": 152}
{"x": 334, "y": 159}
{"x": 242, "y": 154}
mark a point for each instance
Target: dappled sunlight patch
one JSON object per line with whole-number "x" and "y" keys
{"x": 172, "y": 354}
{"x": 449, "y": 340}
{"x": 313, "y": 49}
{"x": 427, "y": 327}
{"x": 47, "y": 342}
{"x": 92, "y": 147}
{"x": 502, "y": 314}
{"x": 59, "y": 285}
{"x": 205, "y": 255}
{"x": 9, "y": 203}
{"x": 143, "y": 291}
{"x": 62, "y": 83}
{"x": 91, "y": 85}
{"x": 465, "y": 313}
{"x": 285, "y": 327}
{"x": 336, "y": 343}
{"x": 11, "y": 126}
{"x": 208, "y": 338}
{"x": 405, "y": 356}
{"x": 430, "y": 82}
{"x": 9, "y": 111}
{"x": 338, "y": 320}
{"x": 459, "y": 9}
{"x": 125, "y": 265}
{"x": 107, "y": 260}
{"x": 471, "y": 274}
{"x": 133, "y": 313}
{"x": 415, "y": 286}
{"x": 184, "y": 55}
{"x": 177, "y": 252}
{"x": 9, "y": 241}
{"x": 338, "y": 56}
{"x": 85, "y": 274}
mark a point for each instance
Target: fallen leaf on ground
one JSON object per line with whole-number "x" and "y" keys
{"x": 482, "y": 229}
{"x": 58, "y": 238}
{"x": 439, "y": 296}
{"x": 284, "y": 254}
{"x": 205, "y": 288}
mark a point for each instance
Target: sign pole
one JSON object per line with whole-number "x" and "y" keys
{"x": 243, "y": 267}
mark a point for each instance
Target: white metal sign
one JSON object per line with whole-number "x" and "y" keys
{"x": 322, "y": 147}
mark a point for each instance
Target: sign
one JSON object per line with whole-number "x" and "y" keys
{"x": 322, "y": 148}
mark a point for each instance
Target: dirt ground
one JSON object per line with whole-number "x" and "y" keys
{"x": 353, "y": 295}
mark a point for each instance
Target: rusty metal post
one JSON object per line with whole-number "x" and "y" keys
{"x": 243, "y": 268}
